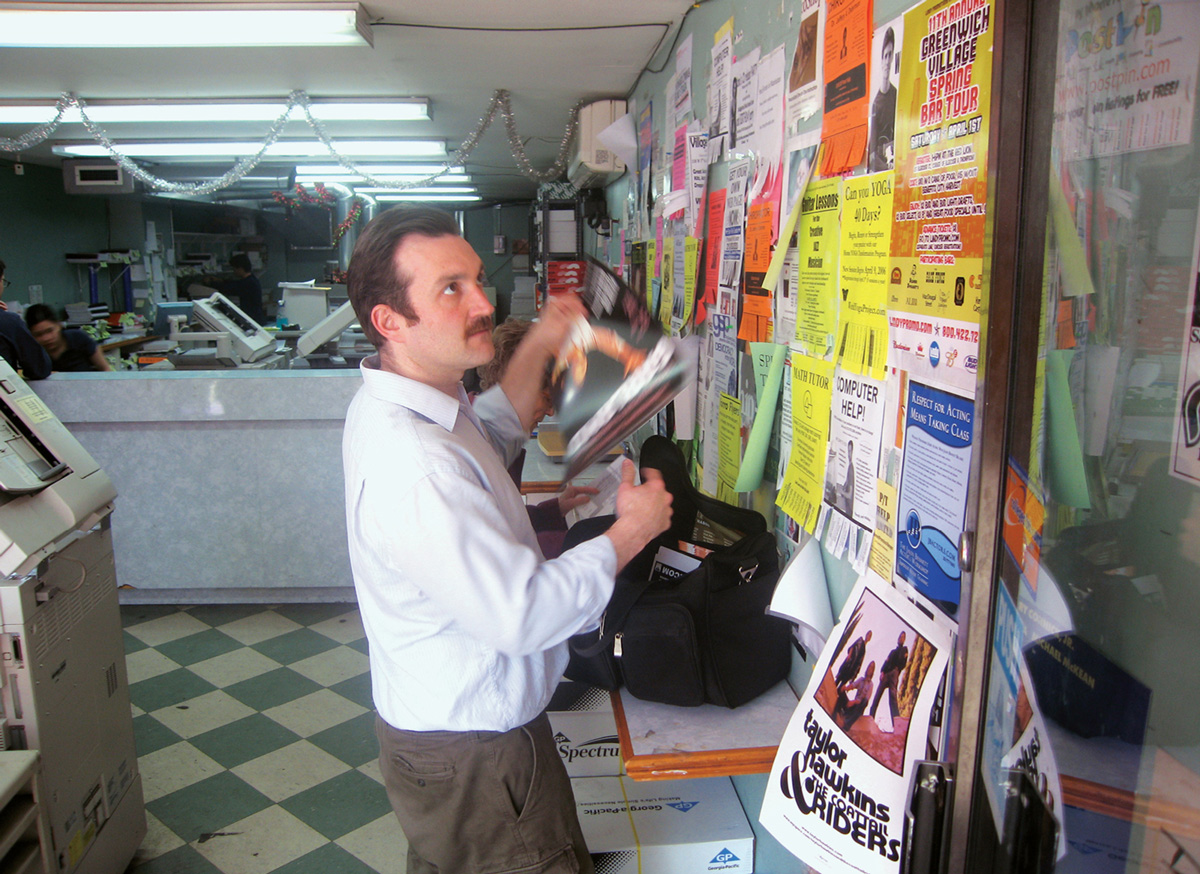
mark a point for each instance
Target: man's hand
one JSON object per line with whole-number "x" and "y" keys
{"x": 553, "y": 323}
{"x": 524, "y": 377}
{"x": 575, "y": 496}
{"x": 643, "y": 513}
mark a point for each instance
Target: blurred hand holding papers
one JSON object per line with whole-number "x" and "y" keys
{"x": 802, "y": 596}
{"x": 615, "y": 371}
{"x": 604, "y": 502}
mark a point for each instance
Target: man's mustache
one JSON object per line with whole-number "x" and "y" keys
{"x": 483, "y": 323}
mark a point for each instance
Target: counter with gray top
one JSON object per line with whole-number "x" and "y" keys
{"x": 229, "y": 482}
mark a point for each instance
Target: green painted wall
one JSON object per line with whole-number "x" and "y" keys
{"x": 39, "y": 224}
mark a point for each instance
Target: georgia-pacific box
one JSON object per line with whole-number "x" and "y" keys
{"x": 664, "y": 826}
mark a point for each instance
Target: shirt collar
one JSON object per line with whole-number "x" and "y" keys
{"x": 425, "y": 400}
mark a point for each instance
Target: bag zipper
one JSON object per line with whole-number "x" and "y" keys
{"x": 617, "y": 643}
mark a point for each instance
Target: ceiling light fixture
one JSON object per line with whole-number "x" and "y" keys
{"x": 144, "y": 25}
{"x": 326, "y": 179}
{"x": 449, "y": 189}
{"x": 196, "y": 150}
{"x": 217, "y": 111}
{"x": 427, "y": 198}
{"x": 330, "y": 170}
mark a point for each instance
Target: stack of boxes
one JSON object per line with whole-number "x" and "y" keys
{"x": 661, "y": 826}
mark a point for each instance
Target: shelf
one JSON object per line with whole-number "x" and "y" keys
{"x": 26, "y": 858}
{"x": 20, "y": 828}
{"x": 662, "y": 742}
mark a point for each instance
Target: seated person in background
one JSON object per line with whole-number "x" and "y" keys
{"x": 69, "y": 348}
{"x": 17, "y": 345}
{"x": 548, "y": 517}
{"x": 244, "y": 290}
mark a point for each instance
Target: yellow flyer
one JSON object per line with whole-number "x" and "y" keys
{"x": 817, "y": 241}
{"x": 942, "y": 119}
{"x": 729, "y": 447}
{"x": 883, "y": 547}
{"x": 804, "y": 480}
{"x": 667, "y": 301}
{"x": 691, "y": 267}
{"x": 651, "y": 258}
{"x": 866, "y": 229}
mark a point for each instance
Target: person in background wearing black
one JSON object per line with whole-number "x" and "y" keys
{"x": 245, "y": 290}
{"x": 17, "y": 345}
{"x": 70, "y": 349}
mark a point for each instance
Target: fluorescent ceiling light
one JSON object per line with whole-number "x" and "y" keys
{"x": 428, "y": 198}
{"x": 143, "y": 25}
{"x": 278, "y": 149}
{"x": 330, "y": 170}
{"x": 215, "y": 111}
{"x": 380, "y": 177}
{"x": 448, "y": 189}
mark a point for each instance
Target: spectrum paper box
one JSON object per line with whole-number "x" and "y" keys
{"x": 585, "y": 730}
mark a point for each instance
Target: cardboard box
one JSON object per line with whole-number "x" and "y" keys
{"x": 664, "y": 826}
{"x": 585, "y": 730}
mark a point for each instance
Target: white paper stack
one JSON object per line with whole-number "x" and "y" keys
{"x": 83, "y": 313}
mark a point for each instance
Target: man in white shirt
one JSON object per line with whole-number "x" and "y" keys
{"x": 466, "y": 621}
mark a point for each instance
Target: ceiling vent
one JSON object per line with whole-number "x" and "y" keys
{"x": 83, "y": 176}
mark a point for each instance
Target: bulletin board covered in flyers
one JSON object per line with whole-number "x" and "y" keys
{"x": 807, "y": 199}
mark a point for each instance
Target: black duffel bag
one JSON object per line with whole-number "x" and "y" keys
{"x": 702, "y": 638}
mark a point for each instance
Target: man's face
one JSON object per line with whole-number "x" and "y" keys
{"x": 453, "y": 330}
{"x": 47, "y": 333}
{"x": 885, "y": 65}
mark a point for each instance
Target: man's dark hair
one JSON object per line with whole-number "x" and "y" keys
{"x": 889, "y": 39}
{"x": 3, "y": 267}
{"x": 373, "y": 278}
{"x": 39, "y": 312}
{"x": 241, "y": 261}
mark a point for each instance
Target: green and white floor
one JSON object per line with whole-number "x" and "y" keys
{"x": 256, "y": 744}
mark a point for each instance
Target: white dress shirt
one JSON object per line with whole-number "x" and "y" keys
{"x": 466, "y": 621}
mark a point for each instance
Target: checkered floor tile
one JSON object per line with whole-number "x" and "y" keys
{"x": 256, "y": 743}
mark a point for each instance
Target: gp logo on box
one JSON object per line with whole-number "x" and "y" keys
{"x": 724, "y": 858}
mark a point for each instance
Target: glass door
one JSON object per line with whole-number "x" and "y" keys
{"x": 1090, "y": 714}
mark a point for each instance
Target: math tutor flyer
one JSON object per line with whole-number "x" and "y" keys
{"x": 840, "y": 784}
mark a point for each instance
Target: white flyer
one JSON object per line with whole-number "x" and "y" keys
{"x": 839, "y": 786}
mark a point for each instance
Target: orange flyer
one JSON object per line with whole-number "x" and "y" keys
{"x": 847, "y": 54}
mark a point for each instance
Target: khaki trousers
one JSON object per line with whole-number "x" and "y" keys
{"x": 483, "y": 802}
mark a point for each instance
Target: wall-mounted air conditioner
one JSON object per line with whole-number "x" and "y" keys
{"x": 90, "y": 176}
{"x": 595, "y": 164}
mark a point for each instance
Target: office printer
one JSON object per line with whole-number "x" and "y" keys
{"x": 230, "y": 338}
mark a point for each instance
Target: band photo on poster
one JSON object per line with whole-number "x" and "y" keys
{"x": 877, "y": 671}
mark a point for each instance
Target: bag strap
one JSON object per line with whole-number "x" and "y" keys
{"x": 663, "y": 455}
{"x": 613, "y": 618}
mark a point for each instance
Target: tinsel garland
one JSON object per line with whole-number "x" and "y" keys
{"x": 353, "y": 214}
{"x": 323, "y": 197}
{"x": 500, "y": 103}
{"x": 299, "y": 195}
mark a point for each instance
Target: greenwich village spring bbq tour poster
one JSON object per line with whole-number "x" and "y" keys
{"x": 942, "y": 110}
